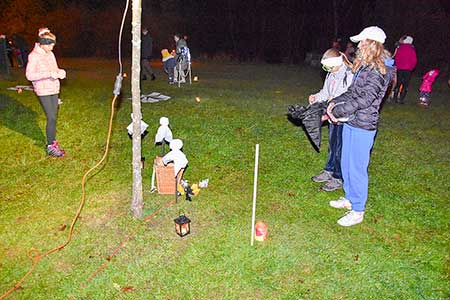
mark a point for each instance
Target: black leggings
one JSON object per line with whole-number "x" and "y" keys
{"x": 403, "y": 77}
{"x": 50, "y": 106}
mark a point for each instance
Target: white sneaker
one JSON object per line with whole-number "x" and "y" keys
{"x": 341, "y": 203}
{"x": 351, "y": 218}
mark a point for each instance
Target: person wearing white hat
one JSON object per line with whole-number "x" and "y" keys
{"x": 405, "y": 61}
{"x": 361, "y": 105}
{"x": 338, "y": 79}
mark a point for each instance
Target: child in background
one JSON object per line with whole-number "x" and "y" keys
{"x": 426, "y": 86}
{"x": 169, "y": 63}
{"x": 338, "y": 79}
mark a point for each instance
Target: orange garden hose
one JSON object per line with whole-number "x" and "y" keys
{"x": 33, "y": 253}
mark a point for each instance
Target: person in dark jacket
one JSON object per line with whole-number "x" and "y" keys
{"x": 4, "y": 63}
{"x": 22, "y": 50}
{"x": 361, "y": 105}
{"x": 146, "y": 55}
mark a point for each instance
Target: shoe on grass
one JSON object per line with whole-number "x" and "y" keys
{"x": 341, "y": 203}
{"x": 332, "y": 185}
{"x": 54, "y": 150}
{"x": 351, "y": 218}
{"x": 324, "y": 176}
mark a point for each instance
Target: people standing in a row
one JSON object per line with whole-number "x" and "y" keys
{"x": 43, "y": 71}
{"x": 405, "y": 62}
{"x": 146, "y": 55}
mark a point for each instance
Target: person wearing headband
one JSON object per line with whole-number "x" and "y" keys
{"x": 43, "y": 71}
{"x": 339, "y": 77}
{"x": 361, "y": 105}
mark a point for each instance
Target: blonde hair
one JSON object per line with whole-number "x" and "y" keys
{"x": 333, "y": 52}
{"x": 373, "y": 55}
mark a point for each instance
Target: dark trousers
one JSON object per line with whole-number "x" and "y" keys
{"x": 334, "y": 150}
{"x": 50, "y": 106}
{"x": 146, "y": 68}
{"x": 403, "y": 77}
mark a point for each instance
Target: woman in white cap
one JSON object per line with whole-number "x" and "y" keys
{"x": 338, "y": 79}
{"x": 361, "y": 105}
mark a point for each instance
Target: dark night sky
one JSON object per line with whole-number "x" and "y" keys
{"x": 266, "y": 30}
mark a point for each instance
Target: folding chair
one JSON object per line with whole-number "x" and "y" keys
{"x": 183, "y": 66}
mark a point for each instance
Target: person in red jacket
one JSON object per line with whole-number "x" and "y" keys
{"x": 405, "y": 61}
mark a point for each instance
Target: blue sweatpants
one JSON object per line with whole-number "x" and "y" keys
{"x": 334, "y": 151}
{"x": 356, "y": 147}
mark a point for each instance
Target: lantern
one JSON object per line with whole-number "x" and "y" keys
{"x": 195, "y": 78}
{"x": 182, "y": 225}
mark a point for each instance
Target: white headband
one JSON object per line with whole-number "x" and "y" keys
{"x": 332, "y": 61}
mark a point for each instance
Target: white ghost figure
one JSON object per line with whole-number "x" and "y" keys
{"x": 144, "y": 126}
{"x": 176, "y": 155}
{"x": 164, "y": 132}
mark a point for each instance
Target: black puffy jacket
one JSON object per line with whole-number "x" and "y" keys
{"x": 361, "y": 102}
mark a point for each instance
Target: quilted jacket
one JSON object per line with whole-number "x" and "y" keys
{"x": 361, "y": 103}
{"x": 43, "y": 71}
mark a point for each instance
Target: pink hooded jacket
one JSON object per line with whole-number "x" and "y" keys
{"x": 43, "y": 71}
{"x": 428, "y": 80}
{"x": 405, "y": 57}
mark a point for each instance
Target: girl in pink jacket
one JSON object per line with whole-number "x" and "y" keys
{"x": 426, "y": 86}
{"x": 43, "y": 71}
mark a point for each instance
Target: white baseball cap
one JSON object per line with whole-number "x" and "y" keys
{"x": 372, "y": 33}
{"x": 408, "y": 40}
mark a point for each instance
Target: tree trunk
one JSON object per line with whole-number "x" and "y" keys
{"x": 137, "y": 202}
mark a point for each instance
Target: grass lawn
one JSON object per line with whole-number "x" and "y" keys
{"x": 400, "y": 251}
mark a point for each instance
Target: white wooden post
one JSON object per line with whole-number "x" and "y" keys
{"x": 255, "y": 185}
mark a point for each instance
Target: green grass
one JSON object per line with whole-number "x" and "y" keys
{"x": 400, "y": 251}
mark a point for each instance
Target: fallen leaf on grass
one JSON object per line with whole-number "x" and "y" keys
{"x": 62, "y": 227}
{"x": 356, "y": 258}
{"x": 126, "y": 289}
{"x": 291, "y": 194}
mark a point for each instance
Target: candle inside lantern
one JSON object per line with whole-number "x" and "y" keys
{"x": 195, "y": 78}
{"x": 182, "y": 225}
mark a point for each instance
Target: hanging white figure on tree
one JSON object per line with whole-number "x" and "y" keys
{"x": 144, "y": 127}
{"x": 164, "y": 134}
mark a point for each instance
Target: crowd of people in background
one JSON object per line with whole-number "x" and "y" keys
{"x": 15, "y": 49}
{"x": 175, "y": 62}
{"x": 355, "y": 86}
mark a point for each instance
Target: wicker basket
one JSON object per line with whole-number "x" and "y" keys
{"x": 165, "y": 180}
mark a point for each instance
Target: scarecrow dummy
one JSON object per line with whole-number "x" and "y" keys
{"x": 176, "y": 156}
{"x": 164, "y": 134}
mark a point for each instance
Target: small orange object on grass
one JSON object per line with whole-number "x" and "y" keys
{"x": 260, "y": 231}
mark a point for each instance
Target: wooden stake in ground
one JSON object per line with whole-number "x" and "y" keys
{"x": 136, "y": 202}
{"x": 255, "y": 185}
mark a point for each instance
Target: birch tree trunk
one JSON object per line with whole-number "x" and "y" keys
{"x": 136, "y": 202}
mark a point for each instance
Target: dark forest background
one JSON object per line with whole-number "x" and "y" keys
{"x": 273, "y": 31}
